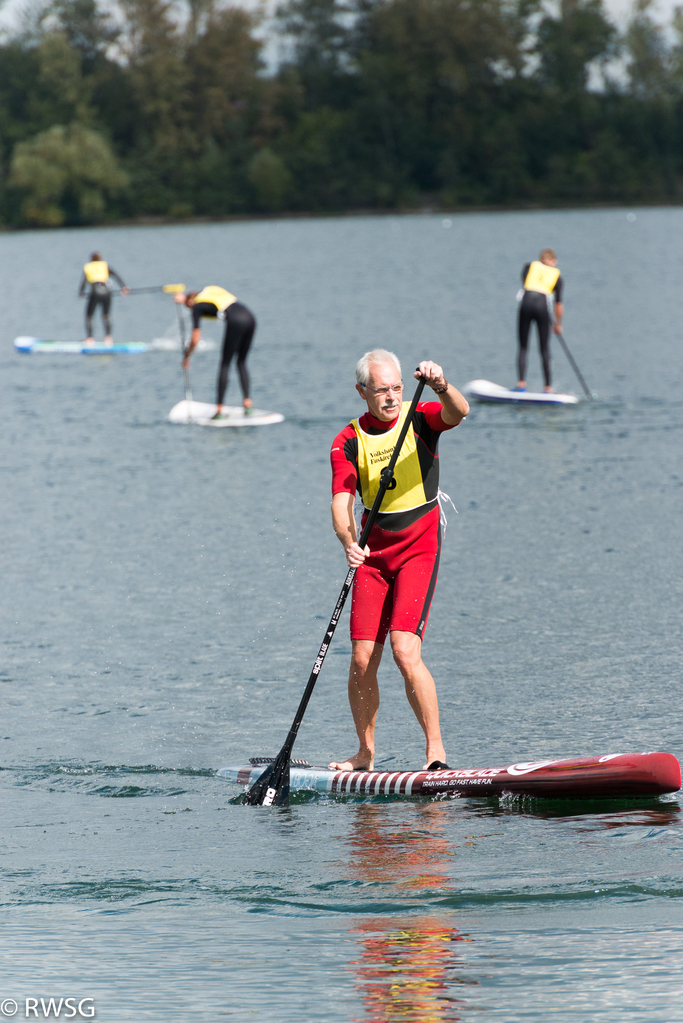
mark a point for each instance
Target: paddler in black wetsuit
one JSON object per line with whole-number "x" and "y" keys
{"x": 542, "y": 284}
{"x": 96, "y": 273}
{"x": 240, "y": 325}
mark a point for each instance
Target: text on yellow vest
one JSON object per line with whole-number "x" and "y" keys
{"x": 541, "y": 278}
{"x": 374, "y": 452}
{"x": 219, "y": 296}
{"x": 96, "y": 272}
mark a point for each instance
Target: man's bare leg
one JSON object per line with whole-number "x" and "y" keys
{"x": 364, "y": 700}
{"x": 420, "y": 690}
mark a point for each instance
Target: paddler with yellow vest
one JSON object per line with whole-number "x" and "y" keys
{"x": 217, "y": 303}
{"x": 96, "y": 275}
{"x": 396, "y": 573}
{"x": 542, "y": 286}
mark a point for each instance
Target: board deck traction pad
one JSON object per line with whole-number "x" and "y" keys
{"x": 199, "y": 413}
{"x": 611, "y": 775}
{"x": 485, "y": 390}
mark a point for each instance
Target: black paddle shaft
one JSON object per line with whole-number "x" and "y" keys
{"x": 186, "y": 373}
{"x": 141, "y": 291}
{"x": 272, "y": 788}
{"x": 574, "y": 366}
{"x": 131, "y": 291}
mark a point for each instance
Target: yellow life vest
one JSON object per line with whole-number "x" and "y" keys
{"x": 541, "y": 278}
{"x": 218, "y": 296}
{"x": 374, "y": 452}
{"x": 97, "y": 272}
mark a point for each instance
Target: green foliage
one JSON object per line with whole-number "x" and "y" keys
{"x": 648, "y": 56}
{"x": 270, "y": 179}
{"x": 65, "y": 173}
{"x": 172, "y": 111}
{"x": 568, "y": 45}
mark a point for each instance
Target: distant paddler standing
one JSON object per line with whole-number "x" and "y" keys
{"x": 542, "y": 284}
{"x": 97, "y": 273}
{"x": 240, "y": 325}
{"x": 397, "y": 570}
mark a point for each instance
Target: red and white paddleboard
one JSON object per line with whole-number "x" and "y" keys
{"x": 616, "y": 774}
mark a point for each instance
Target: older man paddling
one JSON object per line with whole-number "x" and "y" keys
{"x": 396, "y": 573}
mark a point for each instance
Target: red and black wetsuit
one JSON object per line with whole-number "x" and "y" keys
{"x": 393, "y": 589}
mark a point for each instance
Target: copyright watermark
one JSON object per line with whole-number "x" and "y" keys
{"x": 48, "y": 1008}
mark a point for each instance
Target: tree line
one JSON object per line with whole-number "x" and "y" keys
{"x": 190, "y": 108}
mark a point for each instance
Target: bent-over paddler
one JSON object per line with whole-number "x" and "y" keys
{"x": 217, "y": 303}
{"x": 396, "y": 572}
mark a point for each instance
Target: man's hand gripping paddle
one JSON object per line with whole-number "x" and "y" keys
{"x": 272, "y": 788}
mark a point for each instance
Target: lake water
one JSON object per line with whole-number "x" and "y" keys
{"x": 165, "y": 589}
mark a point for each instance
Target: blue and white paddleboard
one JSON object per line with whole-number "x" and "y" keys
{"x": 39, "y": 344}
{"x": 200, "y": 413}
{"x": 484, "y": 390}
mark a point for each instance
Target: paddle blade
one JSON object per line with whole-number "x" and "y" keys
{"x": 272, "y": 788}
{"x": 172, "y": 289}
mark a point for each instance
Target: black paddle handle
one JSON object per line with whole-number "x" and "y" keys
{"x": 385, "y": 480}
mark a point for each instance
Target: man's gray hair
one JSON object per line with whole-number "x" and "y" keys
{"x": 373, "y": 358}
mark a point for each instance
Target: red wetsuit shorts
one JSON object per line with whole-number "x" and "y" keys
{"x": 394, "y": 587}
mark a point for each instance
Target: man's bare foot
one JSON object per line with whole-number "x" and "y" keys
{"x": 109, "y": 340}
{"x": 435, "y": 753}
{"x": 89, "y": 341}
{"x": 361, "y": 762}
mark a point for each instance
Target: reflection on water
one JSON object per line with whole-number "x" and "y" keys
{"x": 409, "y": 858}
{"x": 408, "y": 966}
{"x": 591, "y": 814}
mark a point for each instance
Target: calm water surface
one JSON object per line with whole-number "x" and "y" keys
{"x": 165, "y": 591}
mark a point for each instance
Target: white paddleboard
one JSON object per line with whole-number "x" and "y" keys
{"x": 39, "y": 344}
{"x": 484, "y": 390}
{"x": 170, "y": 344}
{"x": 200, "y": 414}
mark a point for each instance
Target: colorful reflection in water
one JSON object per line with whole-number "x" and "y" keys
{"x": 409, "y": 967}
{"x": 408, "y": 970}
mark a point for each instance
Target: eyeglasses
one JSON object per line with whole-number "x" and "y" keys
{"x": 381, "y": 391}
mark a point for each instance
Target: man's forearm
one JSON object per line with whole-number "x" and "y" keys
{"x": 455, "y": 405}
{"x": 343, "y": 522}
{"x": 195, "y": 338}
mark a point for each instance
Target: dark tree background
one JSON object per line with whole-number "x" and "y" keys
{"x": 170, "y": 109}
